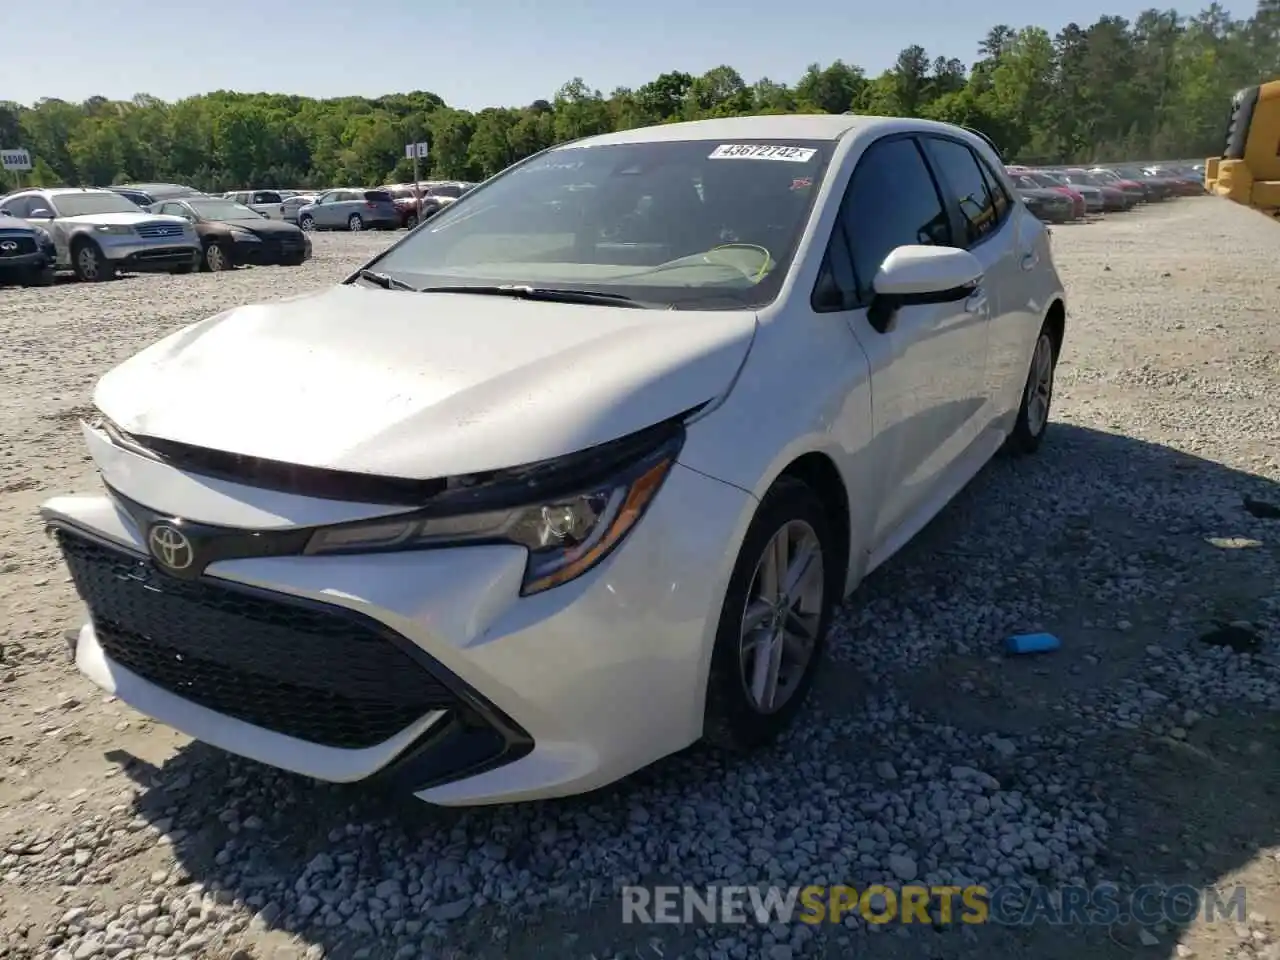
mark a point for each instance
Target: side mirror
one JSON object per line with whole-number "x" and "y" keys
{"x": 921, "y": 274}
{"x": 40, "y": 213}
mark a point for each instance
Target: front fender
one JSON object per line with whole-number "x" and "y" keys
{"x": 804, "y": 388}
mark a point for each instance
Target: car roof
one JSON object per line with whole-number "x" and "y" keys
{"x": 64, "y": 191}
{"x": 794, "y": 126}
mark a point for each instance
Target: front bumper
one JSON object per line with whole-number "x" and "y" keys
{"x": 138, "y": 255}
{"x": 487, "y": 696}
{"x": 267, "y": 252}
{"x": 27, "y": 263}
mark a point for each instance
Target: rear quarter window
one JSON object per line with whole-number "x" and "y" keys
{"x": 374, "y": 196}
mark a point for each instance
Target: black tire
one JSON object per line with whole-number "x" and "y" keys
{"x": 411, "y": 221}
{"x": 89, "y": 264}
{"x": 355, "y": 223}
{"x": 293, "y": 262}
{"x": 307, "y": 222}
{"x": 44, "y": 277}
{"x": 732, "y": 721}
{"x": 216, "y": 258}
{"x": 1030, "y": 426}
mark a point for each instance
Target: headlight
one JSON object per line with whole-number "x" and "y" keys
{"x": 245, "y": 235}
{"x": 566, "y": 535}
{"x": 115, "y": 230}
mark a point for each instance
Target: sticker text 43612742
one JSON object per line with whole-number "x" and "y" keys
{"x": 762, "y": 151}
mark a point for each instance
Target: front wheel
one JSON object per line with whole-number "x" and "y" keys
{"x": 216, "y": 258}
{"x": 355, "y": 223}
{"x": 90, "y": 265}
{"x": 411, "y": 221}
{"x": 307, "y": 223}
{"x": 1037, "y": 396}
{"x": 774, "y": 620}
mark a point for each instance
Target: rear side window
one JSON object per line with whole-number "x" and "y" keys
{"x": 891, "y": 202}
{"x": 999, "y": 197}
{"x": 966, "y": 186}
{"x": 266, "y": 196}
{"x": 375, "y": 196}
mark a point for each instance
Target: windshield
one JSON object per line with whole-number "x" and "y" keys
{"x": 86, "y": 204}
{"x": 223, "y": 210}
{"x": 1026, "y": 183}
{"x": 686, "y": 223}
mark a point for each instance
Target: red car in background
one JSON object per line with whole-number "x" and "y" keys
{"x": 1078, "y": 206}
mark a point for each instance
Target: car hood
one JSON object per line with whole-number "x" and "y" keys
{"x": 13, "y": 223}
{"x": 1042, "y": 193}
{"x": 257, "y": 225}
{"x": 124, "y": 219}
{"x": 422, "y": 385}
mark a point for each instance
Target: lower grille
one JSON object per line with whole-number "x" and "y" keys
{"x": 163, "y": 254}
{"x": 327, "y": 676}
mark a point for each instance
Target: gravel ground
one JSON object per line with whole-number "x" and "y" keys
{"x": 1138, "y": 752}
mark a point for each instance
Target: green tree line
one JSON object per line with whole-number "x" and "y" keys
{"x": 1154, "y": 87}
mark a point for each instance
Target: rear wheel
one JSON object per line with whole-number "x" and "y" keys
{"x": 355, "y": 223}
{"x": 1037, "y": 397}
{"x": 411, "y": 221}
{"x": 774, "y": 620}
{"x": 89, "y": 264}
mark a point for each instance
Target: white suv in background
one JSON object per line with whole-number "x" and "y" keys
{"x": 99, "y": 233}
{"x": 576, "y": 472}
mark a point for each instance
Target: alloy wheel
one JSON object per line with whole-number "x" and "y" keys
{"x": 88, "y": 261}
{"x": 782, "y": 617}
{"x": 355, "y": 224}
{"x": 1040, "y": 385}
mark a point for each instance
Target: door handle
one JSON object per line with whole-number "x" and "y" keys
{"x": 1029, "y": 261}
{"x": 977, "y": 302}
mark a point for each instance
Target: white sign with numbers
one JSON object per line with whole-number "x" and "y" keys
{"x": 15, "y": 159}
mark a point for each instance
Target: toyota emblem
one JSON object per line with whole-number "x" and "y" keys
{"x": 170, "y": 547}
{"x": 9, "y": 246}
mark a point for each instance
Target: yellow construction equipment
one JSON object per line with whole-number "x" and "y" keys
{"x": 1248, "y": 171}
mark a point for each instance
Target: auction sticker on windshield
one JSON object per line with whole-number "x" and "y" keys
{"x": 762, "y": 151}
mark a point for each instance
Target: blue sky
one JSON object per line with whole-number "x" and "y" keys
{"x": 477, "y": 53}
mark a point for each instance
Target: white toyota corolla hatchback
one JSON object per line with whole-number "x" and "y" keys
{"x": 577, "y": 471}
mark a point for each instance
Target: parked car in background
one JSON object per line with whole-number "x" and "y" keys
{"x": 146, "y": 194}
{"x": 1138, "y": 191}
{"x": 1090, "y": 197}
{"x": 234, "y": 235}
{"x": 28, "y": 255}
{"x": 407, "y": 201}
{"x": 99, "y": 233}
{"x": 293, "y": 203}
{"x": 1186, "y": 181}
{"x": 569, "y": 576}
{"x": 1152, "y": 190}
{"x": 1049, "y": 205}
{"x": 350, "y": 208}
{"x": 1113, "y": 199}
{"x": 265, "y": 202}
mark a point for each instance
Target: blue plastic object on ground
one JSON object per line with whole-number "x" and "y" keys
{"x": 1032, "y": 643}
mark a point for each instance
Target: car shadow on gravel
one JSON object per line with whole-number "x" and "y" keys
{"x": 1130, "y": 552}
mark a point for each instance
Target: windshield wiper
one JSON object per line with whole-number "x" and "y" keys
{"x": 384, "y": 281}
{"x": 550, "y": 294}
